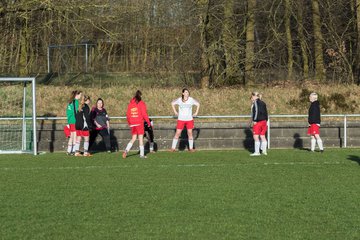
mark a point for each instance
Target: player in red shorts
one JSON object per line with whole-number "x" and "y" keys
{"x": 83, "y": 125}
{"x": 259, "y": 117}
{"x": 71, "y": 111}
{"x": 185, "y": 117}
{"x": 136, "y": 115}
{"x": 314, "y": 121}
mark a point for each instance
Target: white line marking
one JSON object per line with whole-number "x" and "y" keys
{"x": 177, "y": 165}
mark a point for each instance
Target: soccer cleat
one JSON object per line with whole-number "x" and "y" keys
{"x": 87, "y": 154}
{"x": 255, "y": 154}
{"x": 70, "y": 153}
{"x": 264, "y": 153}
{"x": 124, "y": 154}
{"x": 172, "y": 150}
{"x": 143, "y": 156}
{"x": 192, "y": 150}
{"x": 77, "y": 154}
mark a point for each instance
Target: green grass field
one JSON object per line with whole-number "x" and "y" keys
{"x": 289, "y": 194}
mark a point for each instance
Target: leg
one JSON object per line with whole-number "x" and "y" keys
{"x": 86, "y": 146}
{"x": 257, "y": 145}
{"x": 93, "y": 135}
{"x": 106, "y": 137}
{"x": 77, "y": 146}
{"x": 151, "y": 138}
{"x": 319, "y": 142}
{"x": 141, "y": 145}
{"x": 191, "y": 139}
{"x": 129, "y": 145}
{"x": 175, "y": 139}
{"x": 313, "y": 143}
{"x": 263, "y": 144}
{"x": 71, "y": 142}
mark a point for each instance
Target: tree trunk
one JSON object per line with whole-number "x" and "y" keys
{"x": 318, "y": 45}
{"x": 303, "y": 45}
{"x": 250, "y": 44}
{"x": 204, "y": 20}
{"x": 357, "y": 64}
{"x": 288, "y": 4}
{"x": 230, "y": 41}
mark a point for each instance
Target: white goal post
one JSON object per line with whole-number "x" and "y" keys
{"x": 18, "y": 115}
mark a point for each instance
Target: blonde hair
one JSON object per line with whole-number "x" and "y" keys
{"x": 314, "y": 95}
{"x": 84, "y": 98}
{"x": 256, "y": 94}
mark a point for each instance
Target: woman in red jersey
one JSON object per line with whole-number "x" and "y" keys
{"x": 136, "y": 115}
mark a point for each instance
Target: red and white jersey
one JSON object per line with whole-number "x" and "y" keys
{"x": 136, "y": 113}
{"x": 185, "y": 108}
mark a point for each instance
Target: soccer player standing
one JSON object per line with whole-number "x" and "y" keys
{"x": 259, "y": 117}
{"x": 83, "y": 125}
{"x": 136, "y": 115}
{"x": 101, "y": 121}
{"x": 314, "y": 121}
{"x": 71, "y": 111}
{"x": 185, "y": 117}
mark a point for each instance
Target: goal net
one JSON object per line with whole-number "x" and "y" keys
{"x": 18, "y": 115}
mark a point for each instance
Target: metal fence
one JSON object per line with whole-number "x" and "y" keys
{"x": 345, "y": 118}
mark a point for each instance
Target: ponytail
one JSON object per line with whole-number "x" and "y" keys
{"x": 73, "y": 94}
{"x": 138, "y": 96}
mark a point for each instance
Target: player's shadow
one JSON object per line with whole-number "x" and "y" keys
{"x": 98, "y": 146}
{"x": 354, "y": 158}
{"x": 184, "y": 139}
{"x": 298, "y": 142}
{"x": 248, "y": 142}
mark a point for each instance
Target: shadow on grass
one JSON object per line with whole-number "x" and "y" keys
{"x": 354, "y": 158}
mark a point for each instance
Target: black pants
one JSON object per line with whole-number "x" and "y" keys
{"x": 149, "y": 131}
{"x": 105, "y": 136}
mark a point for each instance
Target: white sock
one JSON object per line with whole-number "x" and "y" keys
{"x": 128, "y": 147}
{"x": 77, "y": 146}
{"x": 69, "y": 149}
{"x": 141, "y": 150}
{"x": 320, "y": 144}
{"x": 313, "y": 143}
{"x": 264, "y": 146}
{"x": 86, "y": 146}
{"x": 257, "y": 146}
{"x": 191, "y": 143}
{"x": 152, "y": 146}
{"x": 174, "y": 143}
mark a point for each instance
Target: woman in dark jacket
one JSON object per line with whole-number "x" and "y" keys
{"x": 83, "y": 126}
{"x": 314, "y": 121}
{"x": 259, "y": 118}
{"x": 100, "y": 120}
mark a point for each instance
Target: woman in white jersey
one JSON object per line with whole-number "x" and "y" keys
{"x": 185, "y": 117}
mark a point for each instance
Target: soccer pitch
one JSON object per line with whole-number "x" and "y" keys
{"x": 289, "y": 194}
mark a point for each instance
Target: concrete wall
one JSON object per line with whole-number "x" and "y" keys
{"x": 230, "y": 135}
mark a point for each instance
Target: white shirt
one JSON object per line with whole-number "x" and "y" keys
{"x": 185, "y": 108}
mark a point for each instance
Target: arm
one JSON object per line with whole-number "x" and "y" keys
{"x": 197, "y": 104}
{"x": 173, "y": 107}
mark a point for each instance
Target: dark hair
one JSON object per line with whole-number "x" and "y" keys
{"x": 138, "y": 96}
{"x": 83, "y": 100}
{"x": 182, "y": 95}
{"x": 100, "y": 99}
{"x": 73, "y": 94}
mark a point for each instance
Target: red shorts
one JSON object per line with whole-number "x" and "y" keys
{"x": 260, "y": 128}
{"x": 81, "y": 133}
{"x": 313, "y": 129}
{"x": 137, "y": 130}
{"x": 187, "y": 124}
{"x": 72, "y": 128}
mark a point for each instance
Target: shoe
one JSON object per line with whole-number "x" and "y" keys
{"x": 77, "y": 154}
{"x": 124, "y": 154}
{"x": 87, "y": 154}
{"x": 255, "y": 154}
{"x": 70, "y": 153}
{"x": 172, "y": 150}
{"x": 152, "y": 151}
{"x": 322, "y": 151}
{"x": 264, "y": 153}
{"x": 192, "y": 150}
{"x": 143, "y": 156}
{"x": 108, "y": 151}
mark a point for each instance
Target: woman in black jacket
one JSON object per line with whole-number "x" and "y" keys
{"x": 259, "y": 118}
{"x": 83, "y": 126}
{"x": 314, "y": 121}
